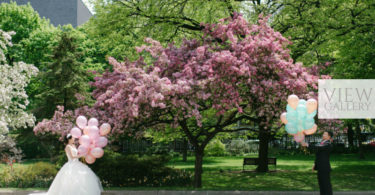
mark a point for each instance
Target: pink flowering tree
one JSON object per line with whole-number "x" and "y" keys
{"x": 236, "y": 72}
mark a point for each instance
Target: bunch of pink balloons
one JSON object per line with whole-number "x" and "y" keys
{"x": 93, "y": 139}
{"x": 299, "y": 118}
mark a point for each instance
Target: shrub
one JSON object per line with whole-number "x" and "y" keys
{"x": 38, "y": 175}
{"x": 60, "y": 160}
{"x": 215, "y": 148}
{"x": 236, "y": 147}
{"x": 274, "y": 151}
{"x": 339, "y": 148}
{"x": 251, "y": 146}
{"x": 42, "y": 169}
{"x": 161, "y": 149}
{"x": 132, "y": 170}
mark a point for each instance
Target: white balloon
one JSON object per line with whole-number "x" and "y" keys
{"x": 76, "y": 132}
{"x": 93, "y": 132}
{"x": 81, "y": 121}
{"x": 293, "y": 101}
{"x": 283, "y": 118}
{"x": 105, "y": 128}
{"x": 93, "y": 122}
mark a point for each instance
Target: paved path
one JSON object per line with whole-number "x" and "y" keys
{"x": 168, "y": 192}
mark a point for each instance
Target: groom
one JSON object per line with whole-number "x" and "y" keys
{"x": 322, "y": 164}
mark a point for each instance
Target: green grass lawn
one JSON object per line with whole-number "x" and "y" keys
{"x": 293, "y": 173}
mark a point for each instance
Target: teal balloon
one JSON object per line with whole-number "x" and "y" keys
{"x": 300, "y": 125}
{"x": 301, "y": 117}
{"x": 301, "y": 111}
{"x": 311, "y": 115}
{"x": 291, "y": 116}
{"x": 302, "y": 102}
{"x": 309, "y": 123}
{"x": 291, "y": 128}
{"x": 289, "y": 109}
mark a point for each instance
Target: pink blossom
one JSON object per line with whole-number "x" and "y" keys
{"x": 253, "y": 69}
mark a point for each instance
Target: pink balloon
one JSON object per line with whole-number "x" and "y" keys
{"x": 105, "y": 128}
{"x": 93, "y": 122}
{"x": 299, "y": 137}
{"x": 101, "y": 142}
{"x": 92, "y": 146}
{"x": 86, "y": 130}
{"x": 283, "y": 118}
{"x": 84, "y": 140}
{"x": 76, "y": 133}
{"x": 293, "y": 101}
{"x": 83, "y": 150}
{"x": 90, "y": 159}
{"x": 97, "y": 152}
{"x": 93, "y": 132}
{"x": 81, "y": 121}
{"x": 312, "y": 130}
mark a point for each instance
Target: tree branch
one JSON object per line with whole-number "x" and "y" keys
{"x": 188, "y": 133}
{"x": 194, "y": 25}
{"x": 233, "y": 120}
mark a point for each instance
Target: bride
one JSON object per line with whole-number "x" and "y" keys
{"x": 74, "y": 178}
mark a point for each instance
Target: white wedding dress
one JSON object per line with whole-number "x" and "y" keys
{"x": 74, "y": 178}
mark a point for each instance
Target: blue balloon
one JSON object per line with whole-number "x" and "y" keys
{"x": 309, "y": 123}
{"x": 291, "y": 128}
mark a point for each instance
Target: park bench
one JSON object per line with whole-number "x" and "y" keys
{"x": 255, "y": 161}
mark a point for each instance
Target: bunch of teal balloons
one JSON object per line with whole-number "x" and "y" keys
{"x": 299, "y": 119}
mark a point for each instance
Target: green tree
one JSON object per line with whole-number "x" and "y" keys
{"x": 33, "y": 43}
{"x": 121, "y": 25}
{"x": 23, "y": 20}
{"x": 336, "y": 31}
{"x": 37, "y": 47}
{"x": 65, "y": 81}
{"x": 167, "y": 135}
{"x": 341, "y": 32}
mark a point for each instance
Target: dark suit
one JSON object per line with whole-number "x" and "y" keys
{"x": 323, "y": 167}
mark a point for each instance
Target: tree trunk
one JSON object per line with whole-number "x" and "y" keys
{"x": 198, "y": 167}
{"x": 184, "y": 150}
{"x": 350, "y": 135}
{"x": 360, "y": 139}
{"x": 263, "y": 150}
